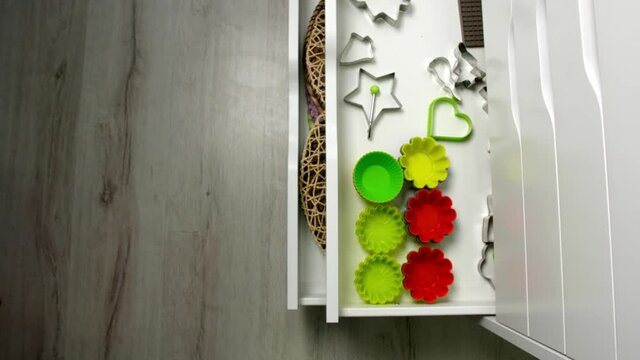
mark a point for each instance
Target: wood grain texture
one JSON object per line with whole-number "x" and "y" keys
{"x": 142, "y": 192}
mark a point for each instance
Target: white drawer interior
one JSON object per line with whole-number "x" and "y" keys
{"x": 427, "y": 30}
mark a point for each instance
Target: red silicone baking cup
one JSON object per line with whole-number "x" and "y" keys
{"x": 427, "y": 274}
{"x": 430, "y": 215}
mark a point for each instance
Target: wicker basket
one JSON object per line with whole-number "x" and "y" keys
{"x": 314, "y": 58}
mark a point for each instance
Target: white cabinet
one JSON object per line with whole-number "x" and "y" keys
{"x": 562, "y": 168}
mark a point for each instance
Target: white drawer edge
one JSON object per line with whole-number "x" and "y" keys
{"x": 292, "y": 160}
{"x": 418, "y": 310}
{"x": 313, "y": 301}
{"x": 332, "y": 257}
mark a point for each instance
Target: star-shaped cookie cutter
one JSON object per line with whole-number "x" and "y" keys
{"x": 372, "y": 117}
{"x": 382, "y": 15}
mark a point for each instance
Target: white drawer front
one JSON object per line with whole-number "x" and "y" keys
{"x": 561, "y": 84}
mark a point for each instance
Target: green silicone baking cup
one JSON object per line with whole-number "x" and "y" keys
{"x": 378, "y": 177}
{"x": 378, "y": 279}
{"x": 380, "y": 228}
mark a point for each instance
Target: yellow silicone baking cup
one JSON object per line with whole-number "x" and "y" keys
{"x": 425, "y": 162}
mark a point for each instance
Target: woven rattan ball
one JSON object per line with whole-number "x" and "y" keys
{"x": 313, "y": 182}
{"x": 314, "y": 57}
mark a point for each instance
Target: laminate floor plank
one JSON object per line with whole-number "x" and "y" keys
{"x": 143, "y": 192}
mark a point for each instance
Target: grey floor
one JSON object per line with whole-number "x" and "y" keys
{"x": 142, "y": 192}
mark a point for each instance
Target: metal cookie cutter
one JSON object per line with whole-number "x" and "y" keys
{"x": 375, "y": 96}
{"x": 447, "y": 83}
{"x": 487, "y": 239}
{"x": 396, "y": 5}
{"x": 350, "y": 54}
{"x": 483, "y": 95}
{"x": 462, "y": 56}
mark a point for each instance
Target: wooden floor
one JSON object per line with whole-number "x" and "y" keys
{"x": 142, "y": 192}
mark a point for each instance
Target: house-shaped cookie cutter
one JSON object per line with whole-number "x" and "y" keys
{"x": 353, "y": 40}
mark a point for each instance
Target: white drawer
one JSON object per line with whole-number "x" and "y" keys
{"x": 306, "y": 270}
{"x": 405, "y": 50}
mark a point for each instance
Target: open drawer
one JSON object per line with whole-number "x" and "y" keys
{"x": 557, "y": 154}
{"x": 405, "y": 49}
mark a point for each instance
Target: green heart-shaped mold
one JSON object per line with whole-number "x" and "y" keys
{"x": 456, "y": 113}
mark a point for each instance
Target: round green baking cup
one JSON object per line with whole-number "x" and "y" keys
{"x": 378, "y": 177}
{"x": 380, "y": 228}
{"x": 378, "y": 279}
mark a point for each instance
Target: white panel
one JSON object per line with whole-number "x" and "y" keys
{"x": 506, "y": 173}
{"x": 618, "y": 47}
{"x": 305, "y": 261}
{"x": 540, "y": 183}
{"x": 527, "y": 344}
{"x": 311, "y": 259}
{"x": 311, "y": 266}
{"x": 332, "y": 162}
{"x": 292, "y": 171}
{"x": 583, "y": 191}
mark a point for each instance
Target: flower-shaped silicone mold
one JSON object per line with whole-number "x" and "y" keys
{"x": 427, "y": 274}
{"x": 380, "y": 228}
{"x": 378, "y": 279}
{"x": 430, "y": 215}
{"x": 424, "y": 162}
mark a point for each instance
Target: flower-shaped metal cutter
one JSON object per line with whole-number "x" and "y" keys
{"x": 397, "y": 6}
